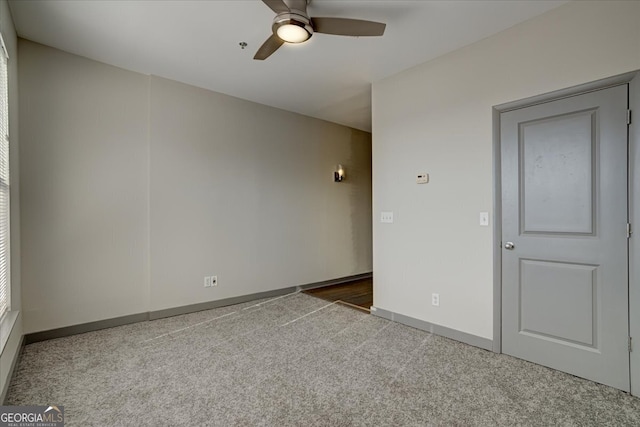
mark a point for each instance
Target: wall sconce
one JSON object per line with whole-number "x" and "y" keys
{"x": 338, "y": 175}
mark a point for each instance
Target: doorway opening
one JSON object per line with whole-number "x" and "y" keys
{"x": 357, "y": 294}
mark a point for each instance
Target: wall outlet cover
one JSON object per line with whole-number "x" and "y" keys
{"x": 435, "y": 300}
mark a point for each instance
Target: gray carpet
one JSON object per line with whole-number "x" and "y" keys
{"x": 299, "y": 361}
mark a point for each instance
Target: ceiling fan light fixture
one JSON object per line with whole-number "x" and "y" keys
{"x": 291, "y": 27}
{"x": 293, "y": 32}
{"x": 292, "y": 24}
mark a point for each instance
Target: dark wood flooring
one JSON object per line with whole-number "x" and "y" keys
{"x": 357, "y": 294}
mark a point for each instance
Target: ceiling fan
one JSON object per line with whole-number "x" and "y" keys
{"x": 292, "y": 24}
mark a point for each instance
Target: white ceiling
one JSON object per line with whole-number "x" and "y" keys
{"x": 329, "y": 77}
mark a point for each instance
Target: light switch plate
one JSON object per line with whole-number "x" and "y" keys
{"x": 386, "y": 217}
{"x": 484, "y": 219}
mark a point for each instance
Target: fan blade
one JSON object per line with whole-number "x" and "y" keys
{"x": 276, "y": 5}
{"x": 347, "y": 27}
{"x": 268, "y": 47}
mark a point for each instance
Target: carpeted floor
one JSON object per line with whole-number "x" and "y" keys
{"x": 299, "y": 361}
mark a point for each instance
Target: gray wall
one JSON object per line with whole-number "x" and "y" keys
{"x": 437, "y": 118}
{"x": 8, "y": 353}
{"x": 135, "y": 187}
{"x": 84, "y": 181}
{"x": 246, "y": 193}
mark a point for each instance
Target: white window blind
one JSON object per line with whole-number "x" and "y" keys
{"x": 4, "y": 182}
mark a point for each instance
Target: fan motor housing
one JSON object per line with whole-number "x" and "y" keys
{"x": 292, "y": 18}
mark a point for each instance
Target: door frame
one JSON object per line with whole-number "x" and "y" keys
{"x": 633, "y": 79}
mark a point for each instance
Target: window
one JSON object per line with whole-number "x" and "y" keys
{"x": 5, "y": 281}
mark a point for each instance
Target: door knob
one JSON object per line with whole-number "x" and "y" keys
{"x": 509, "y": 246}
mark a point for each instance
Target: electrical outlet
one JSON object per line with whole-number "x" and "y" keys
{"x": 207, "y": 281}
{"x": 435, "y": 299}
{"x": 214, "y": 280}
